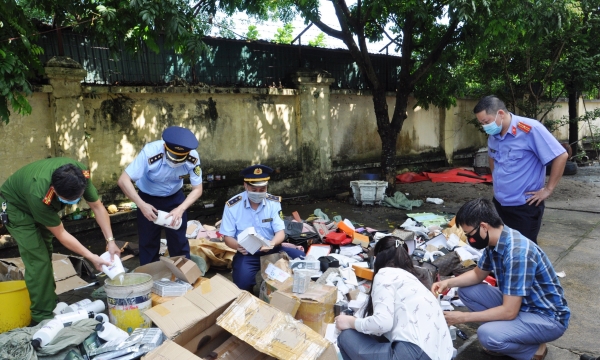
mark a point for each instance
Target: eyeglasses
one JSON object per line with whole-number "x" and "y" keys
{"x": 470, "y": 234}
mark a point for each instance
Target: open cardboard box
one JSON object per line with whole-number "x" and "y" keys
{"x": 189, "y": 322}
{"x": 183, "y": 268}
{"x": 65, "y": 276}
{"x": 159, "y": 270}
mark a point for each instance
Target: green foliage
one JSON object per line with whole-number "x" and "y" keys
{"x": 319, "y": 41}
{"x": 18, "y": 60}
{"x": 284, "y": 35}
{"x": 252, "y": 33}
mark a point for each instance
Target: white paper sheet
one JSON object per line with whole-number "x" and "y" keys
{"x": 350, "y": 250}
{"x": 275, "y": 273}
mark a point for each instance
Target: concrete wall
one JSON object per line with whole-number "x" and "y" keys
{"x": 310, "y": 135}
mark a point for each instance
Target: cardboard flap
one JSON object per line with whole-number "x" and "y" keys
{"x": 170, "y": 350}
{"x": 62, "y": 266}
{"x": 69, "y": 284}
{"x": 213, "y": 293}
{"x": 157, "y": 269}
{"x": 183, "y": 268}
{"x": 175, "y": 316}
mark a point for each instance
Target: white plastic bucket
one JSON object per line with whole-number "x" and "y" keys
{"x": 127, "y": 301}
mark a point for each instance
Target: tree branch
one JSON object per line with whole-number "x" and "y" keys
{"x": 435, "y": 55}
{"x": 328, "y": 30}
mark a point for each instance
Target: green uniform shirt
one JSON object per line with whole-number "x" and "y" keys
{"x": 28, "y": 189}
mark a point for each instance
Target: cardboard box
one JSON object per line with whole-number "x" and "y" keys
{"x": 285, "y": 302}
{"x": 185, "y": 317}
{"x": 250, "y": 240}
{"x": 65, "y": 276}
{"x": 269, "y": 286}
{"x": 183, "y": 268}
{"x": 274, "y": 332}
{"x": 316, "y": 306}
{"x": 345, "y": 228}
{"x": 360, "y": 239}
{"x": 321, "y": 228}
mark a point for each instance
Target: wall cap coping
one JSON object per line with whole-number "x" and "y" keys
{"x": 104, "y": 89}
{"x": 65, "y": 73}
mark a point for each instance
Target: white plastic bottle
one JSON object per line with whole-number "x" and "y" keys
{"x": 76, "y": 306}
{"x": 44, "y": 335}
{"x": 96, "y": 307}
{"x": 70, "y": 318}
{"x": 59, "y": 308}
{"x": 109, "y": 332}
{"x": 102, "y": 318}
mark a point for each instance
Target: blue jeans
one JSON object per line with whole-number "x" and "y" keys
{"x": 518, "y": 338}
{"x": 355, "y": 345}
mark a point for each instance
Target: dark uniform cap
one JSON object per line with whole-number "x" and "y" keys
{"x": 179, "y": 142}
{"x": 257, "y": 175}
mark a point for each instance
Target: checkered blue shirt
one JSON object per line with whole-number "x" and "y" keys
{"x": 523, "y": 269}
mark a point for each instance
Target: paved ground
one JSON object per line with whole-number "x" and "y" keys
{"x": 569, "y": 236}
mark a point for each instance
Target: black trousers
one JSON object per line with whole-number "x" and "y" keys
{"x": 527, "y": 219}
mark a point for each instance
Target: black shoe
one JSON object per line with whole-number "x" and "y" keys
{"x": 33, "y": 323}
{"x": 587, "y": 357}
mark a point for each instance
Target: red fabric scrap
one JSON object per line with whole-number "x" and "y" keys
{"x": 458, "y": 175}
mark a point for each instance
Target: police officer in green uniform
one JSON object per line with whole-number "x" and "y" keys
{"x": 30, "y": 199}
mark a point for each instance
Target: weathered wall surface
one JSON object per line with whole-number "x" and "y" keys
{"x": 27, "y": 138}
{"x": 313, "y": 136}
{"x": 233, "y": 130}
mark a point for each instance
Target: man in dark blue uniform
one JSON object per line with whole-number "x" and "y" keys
{"x": 158, "y": 171}
{"x": 254, "y": 207}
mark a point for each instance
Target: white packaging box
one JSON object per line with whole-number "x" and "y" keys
{"x": 251, "y": 241}
{"x": 305, "y": 264}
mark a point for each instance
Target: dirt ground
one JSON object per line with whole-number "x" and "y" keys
{"x": 571, "y": 192}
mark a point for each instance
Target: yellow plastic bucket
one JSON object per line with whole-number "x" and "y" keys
{"x": 14, "y": 312}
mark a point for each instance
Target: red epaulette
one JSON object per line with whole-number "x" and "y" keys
{"x": 526, "y": 128}
{"x": 49, "y": 195}
{"x": 86, "y": 173}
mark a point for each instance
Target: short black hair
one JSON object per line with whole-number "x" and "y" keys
{"x": 69, "y": 182}
{"x": 476, "y": 211}
{"x": 490, "y": 104}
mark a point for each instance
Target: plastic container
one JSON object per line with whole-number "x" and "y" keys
{"x": 76, "y": 306}
{"x": 368, "y": 192}
{"x": 102, "y": 318}
{"x": 109, "y": 332}
{"x": 115, "y": 269}
{"x": 14, "y": 312}
{"x": 73, "y": 317}
{"x": 302, "y": 278}
{"x": 127, "y": 301}
{"x": 46, "y": 334}
{"x": 162, "y": 220}
{"x": 60, "y": 307}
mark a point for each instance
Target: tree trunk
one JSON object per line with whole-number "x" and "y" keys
{"x": 573, "y": 124}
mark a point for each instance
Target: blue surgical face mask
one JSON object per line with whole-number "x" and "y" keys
{"x": 493, "y": 128}
{"x": 71, "y": 202}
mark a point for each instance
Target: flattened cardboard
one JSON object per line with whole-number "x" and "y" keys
{"x": 274, "y": 332}
{"x": 197, "y": 309}
{"x": 65, "y": 276}
{"x": 170, "y": 351}
{"x": 183, "y": 268}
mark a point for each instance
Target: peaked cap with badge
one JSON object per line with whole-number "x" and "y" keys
{"x": 257, "y": 175}
{"x": 179, "y": 142}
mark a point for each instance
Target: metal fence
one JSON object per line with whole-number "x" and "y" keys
{"x": 227, "y": 63}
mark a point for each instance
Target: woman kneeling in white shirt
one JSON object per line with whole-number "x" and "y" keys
{"x": 401, "y": 309}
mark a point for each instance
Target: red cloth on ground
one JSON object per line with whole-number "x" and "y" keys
{"x": 458, "y": 175}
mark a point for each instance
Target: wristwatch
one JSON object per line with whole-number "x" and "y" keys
{"x": 110, "y": 239}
